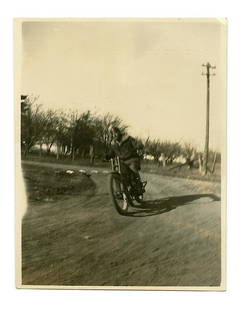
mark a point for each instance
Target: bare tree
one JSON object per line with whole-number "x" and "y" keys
{"x": 33, "y": 122}
{"x": 190, "y": 154}
{"x": 50, "y": 131}
{"x": 102, "y": 126}
{"x": 171, "y": 150}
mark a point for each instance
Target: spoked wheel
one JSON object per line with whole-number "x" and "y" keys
{"x": 118, "y": 193}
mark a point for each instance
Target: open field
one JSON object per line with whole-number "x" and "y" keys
{"x": 174, "y": 239}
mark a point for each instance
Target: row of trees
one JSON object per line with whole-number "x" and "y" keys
{"x": 173, "y": 152}
{"x": 74, "y": 134}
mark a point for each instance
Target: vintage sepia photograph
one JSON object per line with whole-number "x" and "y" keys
{"x": 121, "y": 153}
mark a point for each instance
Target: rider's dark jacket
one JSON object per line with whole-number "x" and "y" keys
{"x": 126, "y": 149}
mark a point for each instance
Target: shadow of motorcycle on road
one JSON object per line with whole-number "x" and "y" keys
{"x": 163, "y": 205}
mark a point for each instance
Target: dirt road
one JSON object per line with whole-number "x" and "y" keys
{"x": 174, "y": 239}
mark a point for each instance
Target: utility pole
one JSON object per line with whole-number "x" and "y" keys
{"x": 208, "y": 68}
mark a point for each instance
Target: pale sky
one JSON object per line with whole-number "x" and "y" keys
{"x": 148, "y": 73}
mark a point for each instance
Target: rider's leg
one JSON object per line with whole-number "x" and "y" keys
{"x": 135, "y": 171}
{"x": 134, "y": 165}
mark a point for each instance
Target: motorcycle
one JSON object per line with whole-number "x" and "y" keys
{"x": 125, "y": 190}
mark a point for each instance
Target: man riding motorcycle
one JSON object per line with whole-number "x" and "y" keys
{"x": 127, "y": 148}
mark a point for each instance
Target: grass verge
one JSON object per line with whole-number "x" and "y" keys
{"x": 173, "y": 170}
{"x": 45, "y": 184}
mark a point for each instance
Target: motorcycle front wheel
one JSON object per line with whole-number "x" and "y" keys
{"x": 118, "y": 193}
